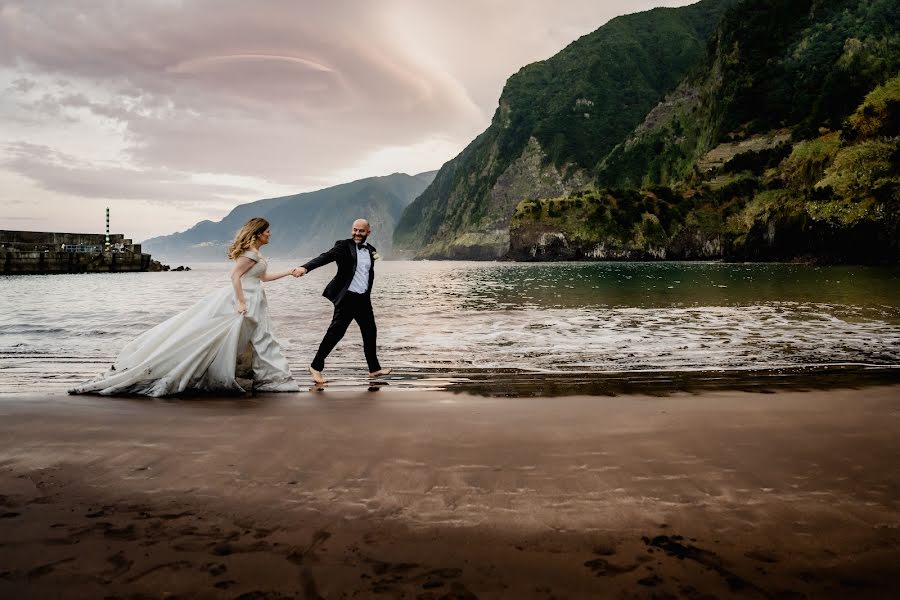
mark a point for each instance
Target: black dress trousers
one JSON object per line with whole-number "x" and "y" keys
{"x": 352, "y": 307}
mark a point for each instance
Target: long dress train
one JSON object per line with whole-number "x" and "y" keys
{"x": 200, "y": 348}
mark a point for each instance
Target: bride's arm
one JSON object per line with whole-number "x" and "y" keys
{"x": 241, "y": 266}
{"x": 273, "y": 276}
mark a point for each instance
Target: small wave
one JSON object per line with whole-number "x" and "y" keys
{"x": 19, "y": 329}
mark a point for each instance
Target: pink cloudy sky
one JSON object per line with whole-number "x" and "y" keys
{"x": 173, "y": 111}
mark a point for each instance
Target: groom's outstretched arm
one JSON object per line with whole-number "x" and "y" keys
{"x": 323, "y": 259}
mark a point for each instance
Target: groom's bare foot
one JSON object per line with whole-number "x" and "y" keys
{"x": 316, "y": 375}
{"x": 380, "y": 373}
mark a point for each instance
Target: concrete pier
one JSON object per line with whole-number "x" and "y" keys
{"x": 39, "y": 252}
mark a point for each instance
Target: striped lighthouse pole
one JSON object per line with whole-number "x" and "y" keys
{"x": 107, "y": 228}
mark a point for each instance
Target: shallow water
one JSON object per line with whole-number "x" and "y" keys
{"x": 451, "y": 324}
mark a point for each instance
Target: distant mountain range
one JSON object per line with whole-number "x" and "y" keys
{"x": 305, "y": 224}
{"x": 735, "y": 129}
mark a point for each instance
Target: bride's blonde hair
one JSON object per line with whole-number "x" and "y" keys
{"x": 246, "y": 236}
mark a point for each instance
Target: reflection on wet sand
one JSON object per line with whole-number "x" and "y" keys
{"x": 663, "y": 383}
{"x": 517, "y": 383}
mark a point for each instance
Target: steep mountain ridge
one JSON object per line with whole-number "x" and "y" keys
{"x": 772, "y": 64}
{"x": 555, "y": 120}
{"x": 756, "y": 155}
{"x": 750, "y": 153}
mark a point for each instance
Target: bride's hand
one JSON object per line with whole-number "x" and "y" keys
{"x": 242, "y": 308}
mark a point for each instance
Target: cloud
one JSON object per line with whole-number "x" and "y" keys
{"x": 64, "y": 173}
{"x": 231, "y": 87}
{"x": 22, "y": 85}
{"x": 154, "y": 99}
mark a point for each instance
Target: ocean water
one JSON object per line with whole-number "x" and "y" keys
{"x": 495, "y": 327}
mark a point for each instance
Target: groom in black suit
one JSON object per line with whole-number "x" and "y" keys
{"x": 350, "y": 291}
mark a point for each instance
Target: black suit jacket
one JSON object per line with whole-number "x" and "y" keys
{"x": 344, "y": 254}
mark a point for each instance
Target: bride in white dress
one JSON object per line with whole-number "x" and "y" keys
{"x": 201, "y": 348}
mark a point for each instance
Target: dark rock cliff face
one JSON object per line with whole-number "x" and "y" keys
{"x": 540, "y": 242}
{"x": 736, "y": 221}
{"x": 695, "y": 243}
{"x": 799, "y": 238}
{"x": 784, "y": 238}
{"x": 527, "y": 177}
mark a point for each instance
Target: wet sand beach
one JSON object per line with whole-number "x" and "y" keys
{"x": 440, "y": 495}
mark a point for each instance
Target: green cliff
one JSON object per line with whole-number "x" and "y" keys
{"x": 784, "y": 147}
{"x": 555, "y": 121}
{"x": 751, "y": 130}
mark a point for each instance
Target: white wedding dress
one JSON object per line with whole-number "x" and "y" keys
{"x": 204, "y": 348}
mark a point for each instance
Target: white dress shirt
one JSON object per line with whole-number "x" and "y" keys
{"x": 360, "y": 283}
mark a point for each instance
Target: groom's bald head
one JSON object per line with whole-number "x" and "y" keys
{"x": 361, "y": 230}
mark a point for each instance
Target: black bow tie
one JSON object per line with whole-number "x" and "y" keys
{"x": 361, "y": 246}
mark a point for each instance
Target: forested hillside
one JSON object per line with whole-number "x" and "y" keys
{"x": 555, "y": 121}
{"x": 777, "y": 140}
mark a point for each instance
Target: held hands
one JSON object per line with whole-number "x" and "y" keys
{"x": 298, "y": 271}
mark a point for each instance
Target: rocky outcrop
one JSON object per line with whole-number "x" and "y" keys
{"x": 529, "y": 177}
{"x": 536, "y": 244}
{"x": 721, "y": 154}
{"x": 539, "y": 241}
{"x": 580, "y": 229}
{"x": 799, "y": 238}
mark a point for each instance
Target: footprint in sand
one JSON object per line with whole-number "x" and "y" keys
{"x": 674, "y": 546}
{"x": 215, "y": 569}
{"x": 127, "y": 533}
{"x": 222, "y": 550}
{"x": 120, "y": 565}
{"x": 761, "y": 556}
{"x": 261, "y": 533}
{"x": 177, "y": 565}
{"x": 652, "y": 581}
{"x": 444, "y": 573}
{"x": 604, "y": 550}
{"x": 389, "y": 578}
{"x": 299, "y": 555}
{"x": 603, "y": 568}
{"x": 46, "y": 569}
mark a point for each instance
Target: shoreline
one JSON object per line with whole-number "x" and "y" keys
{"x": 666, "y": 382}
{"x": 499, "y": 382}
{"x": 430, "y": 494}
